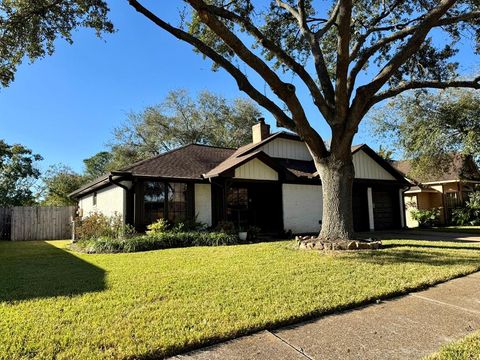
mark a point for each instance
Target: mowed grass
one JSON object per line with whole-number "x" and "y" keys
{"x": 467, "y": 348}
{"x": 55, "y": 303}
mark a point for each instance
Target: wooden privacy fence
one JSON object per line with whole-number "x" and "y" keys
{"x": 5, "y": 223}
{"x": 36, "y": 223}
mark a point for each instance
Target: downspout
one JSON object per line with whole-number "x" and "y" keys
{"x": 222, "y": 187}
{"x": 110, "y": 180}
{"x": 404, "y": 189}
{"x": 119, "y": 184}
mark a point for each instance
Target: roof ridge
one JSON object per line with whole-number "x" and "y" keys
{"x": 154, "y": 157}
{"x": 214, "y": 146}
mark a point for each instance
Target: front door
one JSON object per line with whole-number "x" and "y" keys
{"x": 255, "y": 204}
{"x": 360, "y": 208}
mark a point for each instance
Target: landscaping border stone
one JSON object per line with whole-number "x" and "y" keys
{"x": 315, "y": 243}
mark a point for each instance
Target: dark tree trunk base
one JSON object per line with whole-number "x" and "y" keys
{"x": 315, "y": 243}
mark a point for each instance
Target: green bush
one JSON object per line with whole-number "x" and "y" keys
{"x": 461, "y": 216}
{"x": 426, "y": 217}
{"x": 227, "y": 227}
{"x": 470, "y": 213}
{"x": 98, "y": 225}
{"x": 160, "y": 240}
{"x": 159, "y": 226}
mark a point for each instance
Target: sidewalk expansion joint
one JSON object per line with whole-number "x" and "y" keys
{"x": 298, "y": 350}
{"x": 446, "y": 304}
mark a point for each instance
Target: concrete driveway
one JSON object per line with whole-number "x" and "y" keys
{"x": 422, "y": 235}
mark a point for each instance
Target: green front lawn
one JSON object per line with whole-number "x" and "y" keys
{"x": 467, "y": 348}
{"x": 58, "y": 304}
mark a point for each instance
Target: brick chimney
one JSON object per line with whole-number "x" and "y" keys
{"x": 260, "y": 131}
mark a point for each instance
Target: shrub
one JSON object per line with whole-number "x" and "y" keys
{"x": 470, "y": 213}
{"x": 159, "y": 240}
{"x": 461, "y": 216}
{"x": 226, "y": 227}
{"x": 159, "y": 226}
{"x": 426, "y": 217}
{"x": 98, "y": 225}
{"x": 253, "y": 232}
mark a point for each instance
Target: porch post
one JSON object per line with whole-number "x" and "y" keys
{"x": 371, "y": 220}
{"x": 402, "y": 208}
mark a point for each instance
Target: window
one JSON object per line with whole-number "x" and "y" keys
{"x": 153, "y": 201}
{"x": 237, "y": 206}
{"x": 162, "y": 200}
{"x": 94, "y": 198}
{"x": 177, "y": 202}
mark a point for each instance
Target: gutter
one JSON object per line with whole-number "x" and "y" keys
{"x": 110, "y": 180}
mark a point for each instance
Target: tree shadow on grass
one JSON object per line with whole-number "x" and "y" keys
{"x": 435, "y": 255}
{"x": 438, "y": 246}
{"x": 38, "y": 269}
{"x": 423, "y": 235}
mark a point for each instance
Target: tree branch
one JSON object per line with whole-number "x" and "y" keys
{"x": 473, "y": 84}
{"x": 275, "y": 49}
{"x": 364, "y": 56}
{"x": 343, "y": 57}
{"x": 330, "y": 22}
{"x": 371, "y": 29}
{"x": 242, "y": 81}
{"x": 364, "y": 93}
{"x": 286, "y": 92}
{"x": 319, "y": 60}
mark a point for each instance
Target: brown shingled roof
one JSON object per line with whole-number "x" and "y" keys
{"x": 193, "y": 161}
{"x": 187, "y": 162}
{"x": 462, "y": 167}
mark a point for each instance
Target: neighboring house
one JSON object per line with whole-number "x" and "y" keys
{"x": 446, "y": 191}
{"x": 271, "y": 183}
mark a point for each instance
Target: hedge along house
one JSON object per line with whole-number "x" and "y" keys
{"x": 270, "y": 183}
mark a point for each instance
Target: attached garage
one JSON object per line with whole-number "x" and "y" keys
{"x": 386, "y": 208}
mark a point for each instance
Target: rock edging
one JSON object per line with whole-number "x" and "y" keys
{"x": 314, "y": 243}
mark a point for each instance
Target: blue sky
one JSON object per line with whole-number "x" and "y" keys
{"x": 66, "y": 106}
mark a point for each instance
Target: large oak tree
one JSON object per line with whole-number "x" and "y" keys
{"x": 327, "y": 45}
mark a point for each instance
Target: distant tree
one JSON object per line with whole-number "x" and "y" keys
{"x": 385, "y": 152}
{"x": 29, "y": 28}
{"x": 179, "y": 120}
{"x": 97, "y": 165}
{"x": 18, "y": 174}
{"x": 348, "y": 55}
{"x": 429, "y": 127}
{"x": 58, "y": 182}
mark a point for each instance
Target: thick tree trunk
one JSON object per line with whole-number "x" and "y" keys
{"x": 337, "y": 174}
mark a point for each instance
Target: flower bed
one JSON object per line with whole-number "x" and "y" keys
{"x": 100, "y": 234}
{"x": 164, "y": 240}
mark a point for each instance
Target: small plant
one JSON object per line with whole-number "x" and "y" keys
{"x": 226, "y": 227}
{"x": 190, "y": 225}
{"x": 253, "y": 232}
{"x": 461, "y": 216}
{"x": 426, "y": 217}
{"x": 470, "y": 213}
{"x": 159, "y": 226}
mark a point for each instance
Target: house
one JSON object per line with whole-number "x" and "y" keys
{"x": 447, "y": 190}
{"x": 270, "y": 183}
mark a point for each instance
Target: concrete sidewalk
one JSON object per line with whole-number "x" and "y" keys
{"x": 408, "y": 327}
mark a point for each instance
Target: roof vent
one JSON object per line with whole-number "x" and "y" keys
{"x": 260, "y": 131}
